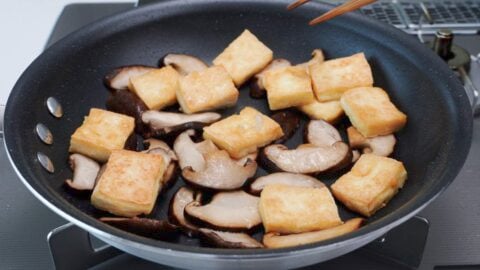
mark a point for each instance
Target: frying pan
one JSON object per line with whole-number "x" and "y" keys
{"x": 433, "y": 145}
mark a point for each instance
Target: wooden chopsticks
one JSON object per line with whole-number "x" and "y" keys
{"x": 344, "y": 8}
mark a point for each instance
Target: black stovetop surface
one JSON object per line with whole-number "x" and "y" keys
{"x": 453, "y": 240}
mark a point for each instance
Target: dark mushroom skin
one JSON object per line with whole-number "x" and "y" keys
{"x": 152, "y": 228}
{"x": 289, "y": 121}
{"x": 257, "y": 90}
{"x": 228, "y": 239}
{"x": 128, "y": 103}
{"x": 182, "y": 197}
{"x": 300, "y": 159}
{"x": 171, "y": 133}
{"x": 234, "y": 211}
{"x": 119, "y": 78}
{"x": 131, "y": 143}
{"x": 183, "y": 63}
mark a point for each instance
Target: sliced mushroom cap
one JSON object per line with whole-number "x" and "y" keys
{"x": 184, "y": 63}
{"x": 273, "y": 240}
{"x": 206, "y": 147}
{"x": 168, "y": 123}
{"x": 170, "y": 175}
{"x": 307, "y": 159}
{"x": 229, "y": 239}
{"x": 157, "y": 147}
{"x": 380, "y": 145}
{"x": 283, "y": 178}
{"x": 85, "y": 171}
{"x": 120, "y": 77}
{"x": 289, "y": 121}
{"x": 317, "y": 57}
{"x": 321, "y": 133}
{"x": 221, "y": 172}
{"x": 176, "y": 210}
{"x": 227, "y": 211}
{"x": 153, "y": 228}
{"x": 252, "y": 157}
{"x": 126, "y": 102}
{"x": 257, "y": 89}
{"x": 187, "y": 152}
{"x": 152, "y": 144}
{"x": 355, "y": 155}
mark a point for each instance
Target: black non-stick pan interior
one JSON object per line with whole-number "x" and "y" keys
{"x": 433, "y": 145}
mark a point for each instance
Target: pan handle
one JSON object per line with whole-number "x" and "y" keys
{"x": 2, "y": 110}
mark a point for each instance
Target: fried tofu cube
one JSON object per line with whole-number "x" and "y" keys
{"x": 371, "y": 111}
{"x": 288, "y": 87}
{"x": 130, "y": 184}
{"x": 371, "y": 183}
{"x": 244, "y": 57}
{"x": 206, "y": 90}
{"x": 242, "y": 134}
{"x": 157, "y": 88}
{"x": 288, "y": 209}
{"x": 332, "y": 78}
{"x": 330, "y": 111}
{"x": 101, "y": 133}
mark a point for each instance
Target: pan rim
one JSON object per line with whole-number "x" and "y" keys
{"x": 86, "y": 222}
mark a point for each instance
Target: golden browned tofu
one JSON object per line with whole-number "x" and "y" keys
{"x": 371, "y": 111}
{"x": 130, "y": 183}
{"x": 371, "y": 183}
{"x": 330, "y": 111}
{"x": 242, "y": 134}
{"x": 288, "y": 87}
{"x": 332, "y": 78}
{"x": 206, "y": 90}
{"x": 289, "y": 209}
{"x": 157, "y": 88}
{"x": 101, "y": 132}
{"x": 244, "y": 57}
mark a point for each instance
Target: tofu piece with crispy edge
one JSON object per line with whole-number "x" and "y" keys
{"x": 288, "y": 87}
{"x": 242, "y": 134}
{"x": 371, "y": 183}
{"x": 330, "y": 111}
{"x": 157, "y": 88}
{"x": 332, "y": 78}
{"x": 101, "y": 132}
{"x": 244, "y": 57}
{"x": 206, "y": 90}
{"x": 288, "y": 209}
{"x": 130, "y": 184}
{"x": 371, "y": 111}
